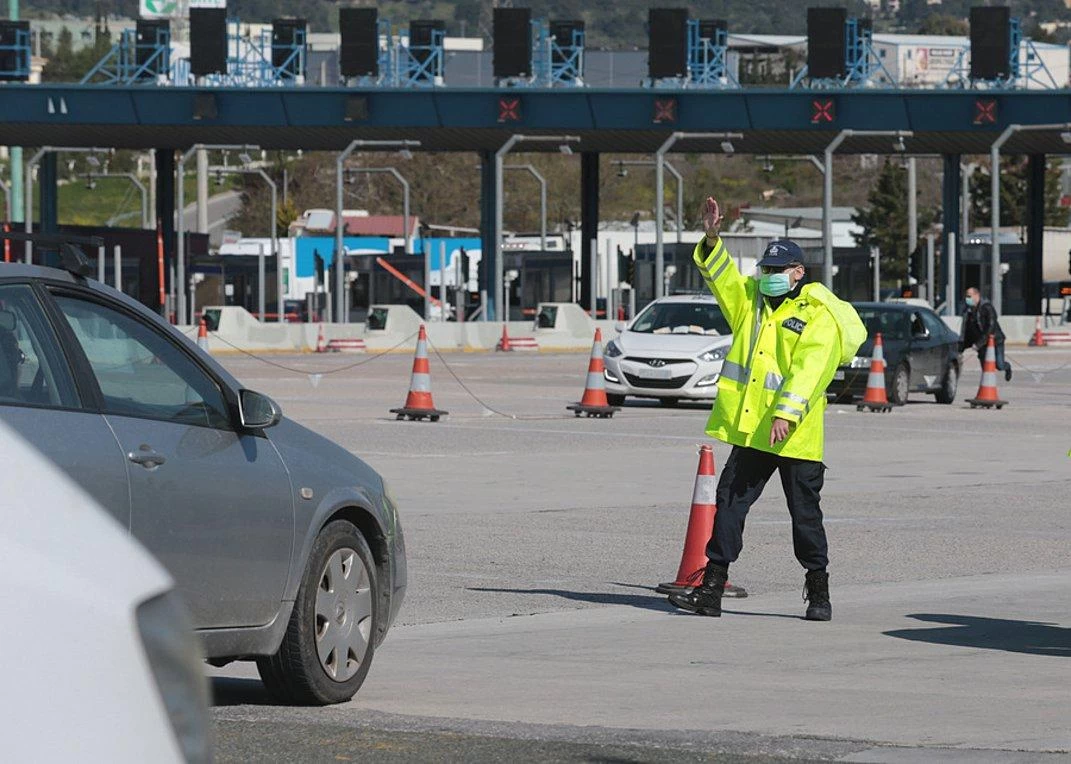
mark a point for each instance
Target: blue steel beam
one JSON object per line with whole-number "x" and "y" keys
{"x": 772, "y": 121}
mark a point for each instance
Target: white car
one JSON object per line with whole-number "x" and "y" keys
{"x": 672, "y": 350}
{"x": 99, "y": 662}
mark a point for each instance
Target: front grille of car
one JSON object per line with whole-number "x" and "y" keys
{"x": 647, "y": 361}
{"x": 656, "y": 384}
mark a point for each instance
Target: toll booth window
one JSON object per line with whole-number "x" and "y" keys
{"x": 211, "y": 317}
{"x": 377, "y": 319}
{"x": 547, "y": 317}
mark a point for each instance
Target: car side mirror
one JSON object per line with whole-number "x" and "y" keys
{"x": 258, "y": 411}
{"x": 619, "y": 327}
{"x": 922, "y": 334}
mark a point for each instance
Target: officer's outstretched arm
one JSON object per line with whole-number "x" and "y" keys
{"x": 723, "y": 278}
{"x": 814, "y": 361}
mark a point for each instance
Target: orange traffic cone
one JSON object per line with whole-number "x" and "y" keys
{"x": 418, "y": 404}
{"x": 875, "y": 399}
{"x": 503, "y": 344}
{"x": 594, "y": 402}
{"x": 321, "y": 344}
{"x": 202, "y": 335}
{"x": 700, "y": 524}
{"x": 1038, "y": 340}
{"x": 987, "y": 396}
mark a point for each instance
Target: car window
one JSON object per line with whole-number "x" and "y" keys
{"x": 140, "y": 372}
{"x": 917, "y": 327}
{"x": 893, "y": 324}
{"x": 33, "y": 371}
{"x": 936, "y": 326}
{"x": 699, "y": 317}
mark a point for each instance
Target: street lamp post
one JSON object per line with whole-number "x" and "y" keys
{"x": 513, "y": 140}
{"x": 660, "y": 163}
{"x": 180, "y": 250}
{"x": 672, "y": 171}
{"x": 28, "y": 184}
{"x": 827, "y": 190}
{"x": 146, "y": 222}
{"x": 996, "y": 289}
{"x": 405, "y": 198}
{"x": 340, "y": 166}
{"x": 542, "y": 199}
{"x": 280, "y": 305}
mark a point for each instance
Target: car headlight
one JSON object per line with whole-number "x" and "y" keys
{"x": 612, "y": 349}
{"x": 175, "y": 659}
{"x": 860, "y": 362}
{"x": 714, "y": 354}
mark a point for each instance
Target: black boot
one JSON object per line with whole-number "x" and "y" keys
{"x": 704, "y": 599}
{"x": 816, "y": 595}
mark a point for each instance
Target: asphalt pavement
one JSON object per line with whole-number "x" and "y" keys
{"x": 531, "y": 630}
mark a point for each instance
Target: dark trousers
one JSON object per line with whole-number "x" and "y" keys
{"x": 743, "y": 477}
{"x": 1002, "y": 365}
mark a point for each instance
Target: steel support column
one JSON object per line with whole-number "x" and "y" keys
{"x": 1035, "y": 231}
{"x": 489, "y": 232}
{"x": 589, "y": 224}
{"x": 950, "y": 200}
{"x": 48, "y": 190}
{"x": 164, "y": 162}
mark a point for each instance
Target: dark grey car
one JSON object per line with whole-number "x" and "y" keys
{"x": 286, "y": 547}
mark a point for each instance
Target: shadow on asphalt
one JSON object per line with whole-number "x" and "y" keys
{"x": 231, "y": 691}
{"x": 1030, "y": 637}
{"x": 656, "y": 602}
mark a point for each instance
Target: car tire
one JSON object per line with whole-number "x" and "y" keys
{"x": 901, "y": 384}
{"x": 614, "y": 399}
{"x": 949, "y": 385}
{"x": 340, "y": 580}
{"x": 670, "y": 402}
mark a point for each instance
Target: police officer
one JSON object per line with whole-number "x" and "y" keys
{"x": 788, "y": 340}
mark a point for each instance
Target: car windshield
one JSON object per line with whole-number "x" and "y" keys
{"x": 699, "y": 317}
{"x": 893, "y": 324}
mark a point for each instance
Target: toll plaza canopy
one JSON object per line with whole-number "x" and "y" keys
{"x": 447, "y": 119}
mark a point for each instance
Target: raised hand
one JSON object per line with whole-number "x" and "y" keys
{"x": 711, "y": 215}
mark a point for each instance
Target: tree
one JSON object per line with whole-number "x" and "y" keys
{"x": 944, "y": 24}
{"x": 884, "y": 219}
{"x": 1014, "y": 174}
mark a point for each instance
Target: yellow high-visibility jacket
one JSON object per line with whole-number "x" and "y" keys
{"x": 780, "y": 362}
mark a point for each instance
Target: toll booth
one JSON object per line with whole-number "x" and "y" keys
{"x": 139, "y": 258}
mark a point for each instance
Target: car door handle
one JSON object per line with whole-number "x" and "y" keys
{"x": 146, "y": 457}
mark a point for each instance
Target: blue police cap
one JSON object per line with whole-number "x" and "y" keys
{"x": 781, "y": 253}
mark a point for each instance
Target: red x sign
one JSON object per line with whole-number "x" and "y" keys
{"x": 665, "y": 110}
{"x": 985, "y": 111}
{"x": 823, "y": 111}
{"x": 509, "y": 109}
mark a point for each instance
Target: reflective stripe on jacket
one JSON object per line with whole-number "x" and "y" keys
{"x": 780, "y": 362}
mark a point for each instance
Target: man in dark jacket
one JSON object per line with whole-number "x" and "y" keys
{"x": 979, "y": 322}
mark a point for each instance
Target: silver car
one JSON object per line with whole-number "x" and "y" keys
{"x": 285, "y": 547}
{"x": 672, "y": 350}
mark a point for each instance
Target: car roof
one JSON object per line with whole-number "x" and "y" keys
{"x": 699, "y": 296}
{"x": 892, "y": 307}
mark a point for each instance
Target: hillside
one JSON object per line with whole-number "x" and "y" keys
{"x": 620, "y": 24}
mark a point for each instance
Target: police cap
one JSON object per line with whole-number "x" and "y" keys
{"x": 781, "y": 253}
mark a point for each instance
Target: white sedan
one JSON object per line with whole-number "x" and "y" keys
{"x": 99, "y": 662}
{"x": 672, "y": 350}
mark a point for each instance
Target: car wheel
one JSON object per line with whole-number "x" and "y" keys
{"x": 671, "y": 402}
{"x": 900, "y": 385}
{"x": 947, "y": 393}
{"x": 329, "y": 642}
{"x": 615, "y": 399}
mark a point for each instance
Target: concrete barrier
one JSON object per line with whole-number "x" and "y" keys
{"x": 1017, "y": 329}
{"x": 565, "y": 328}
